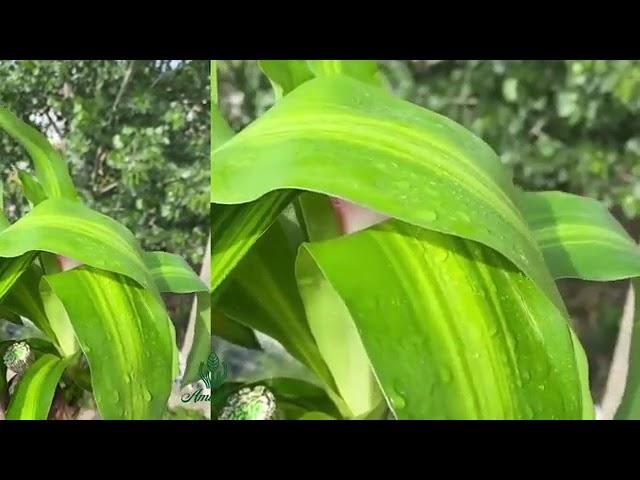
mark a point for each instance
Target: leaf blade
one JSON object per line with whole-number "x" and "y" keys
{"x": 34, "y": 394}
{"x": 50, "y": 168}
{"x": 127, "y": 337}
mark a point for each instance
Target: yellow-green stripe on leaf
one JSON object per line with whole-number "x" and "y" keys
{"x": 127, "y": 337}
{"x": 35, "y": 391}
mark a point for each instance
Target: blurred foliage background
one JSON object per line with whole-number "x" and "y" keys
{"x": 558, "y": 125}
{"x": 136, "y": 136}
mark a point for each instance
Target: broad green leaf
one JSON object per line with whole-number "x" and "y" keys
{"x": 233, "y": 332}
{"x": 221, "y": 131}
{"x": 349, "y": 140}
{"x": 338, "y": 340}
{"x": 579, "y": 238}
{"x": 11, "y": 269}
{"x": 201, "y": 340}
{"x": 50, "y": 167}
{"x": 68, "y": 228}
{"x": 35, "y": 391}
{"x": 31, "y": 188}
{"x": 329, "y": 319}
{"x": 629, "y": 408}
{"x": 172, "y": 273}
{"x": 588, "y": 412}
{"x": 127, "y": 337}
{"x": 235, "y": 228}
{"x": 363, "y": 70}
{"x": 58, "y": 320}
{"x": 262, "y": 294}
{"x": 286, "y": 75}
{"x": 452, "y": 328}
{"x": 318, "y": 217}
{"x": 24, "y": 299}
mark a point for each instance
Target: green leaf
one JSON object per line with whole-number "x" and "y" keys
{"x": 452, "y": 328}
{"x": 75, "y": 231}
{"x": 50, "y": 168}
{"x": 236, "y": 228}
{"x": 579, "y": 238}
{"x": 58, "y": 320}
{"x": 329, "y": 319}
{"x": 363, "y": 70}
{"x": 221, "y": 130}
{"x": 234, "y": 332}
{"x": 31, "y": 188}
{"x": 127, "y": 337}
{"x": 262, "y": 294}
{"x": 34, "y": 394}
{"x": 629, "y": 408}
{"x": 23, "y": 299}
{"x": 349, "y": 140}
{"x": 11, "y": 269}
{"x": 202, "y": 339}
{"x": 172, "y": 273}
{"x": 286, "y": 75}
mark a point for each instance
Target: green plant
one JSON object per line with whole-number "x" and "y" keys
{"x": 100, "y": 327}
{"x": 387, "y": 249}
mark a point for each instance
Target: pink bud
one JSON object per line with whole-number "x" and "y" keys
{"x": 67, "y": 263}
{"x": 354, "y": 218}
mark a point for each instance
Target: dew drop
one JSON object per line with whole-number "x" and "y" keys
{"x": 429, "y": 216}
{"x": 397, "y": 400}
{"x": 441, "y": 254}
{"x": 147, "y": 395}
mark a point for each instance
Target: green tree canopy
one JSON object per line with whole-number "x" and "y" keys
{"x": 135, "y": 133}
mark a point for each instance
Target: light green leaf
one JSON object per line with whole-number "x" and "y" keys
{"x": 172, "y": 273}
{"x": 75, "y": 231}
{"x": 363, "y": 70}
{"x": 202, "y": 339}
{"x": 11, "y": 269}
{"x": 629, "y": 408}
{"x": 50, "y": 168}
{"x": 25, "y": 300}
{"x": 262, "y": 294}
{"x": 235, "y": 228}
{"x": 286, "y": 75}
{"x": 34, "y": 394}
{"x": 579, "y": 237}
{"x": 58, "y": 320}
{"x": 31, "y": 188}
{"x": 452, "y": 328}
{"x": 329, "y": 319}
{"x": 346, "y": 139}
{"x": 127, "y": 337}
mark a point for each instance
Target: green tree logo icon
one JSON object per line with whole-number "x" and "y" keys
{"x": 214, "y": 372}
